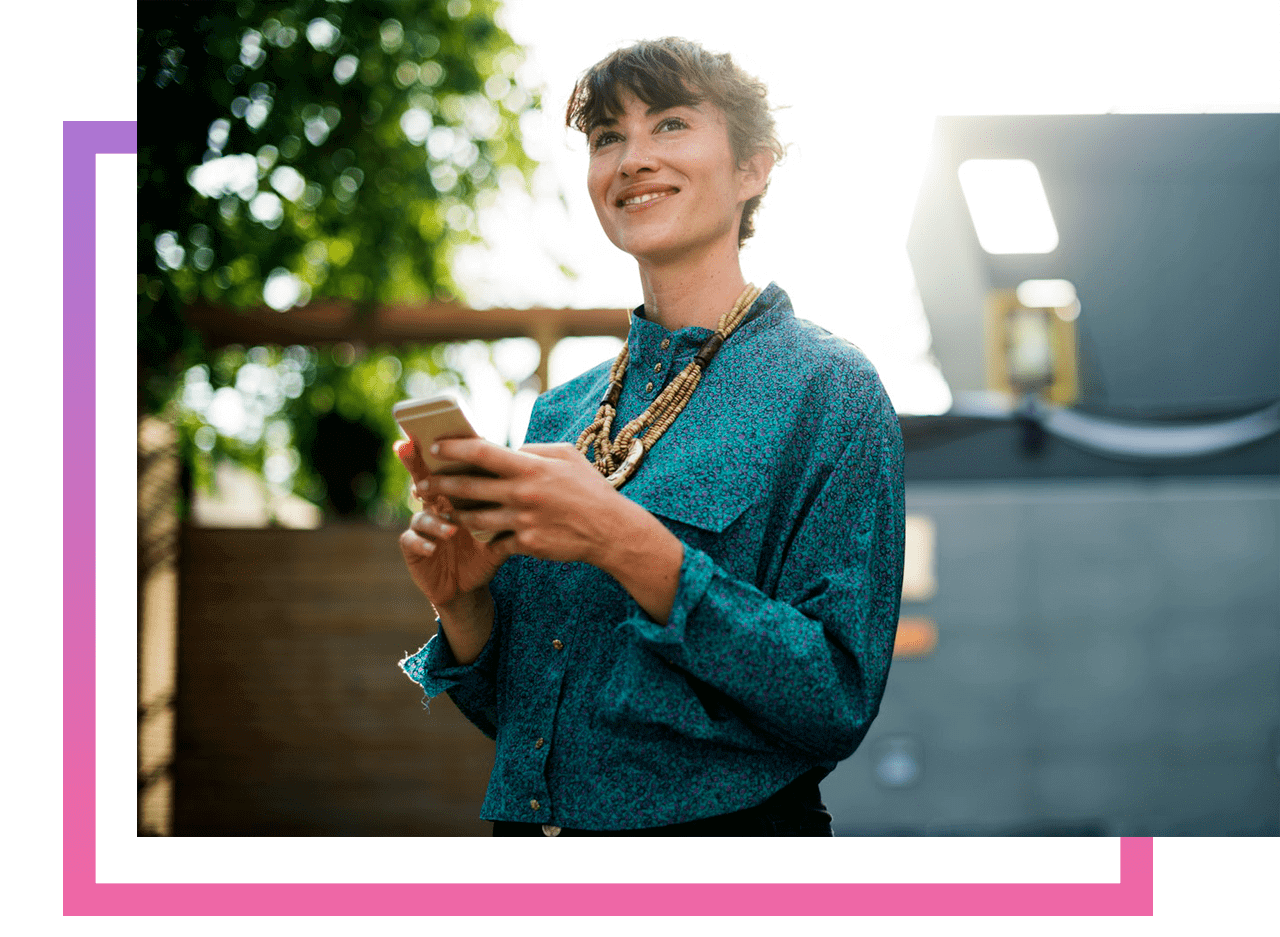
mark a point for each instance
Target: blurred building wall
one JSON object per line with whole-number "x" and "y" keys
{"x": 1108, "y": 661}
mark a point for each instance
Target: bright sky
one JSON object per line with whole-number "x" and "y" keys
{"x": 860, "y": 84}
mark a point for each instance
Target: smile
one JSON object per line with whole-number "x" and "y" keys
{"x": 645, "y": 197}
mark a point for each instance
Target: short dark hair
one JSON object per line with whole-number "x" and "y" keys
{"x": 675, "y": 72}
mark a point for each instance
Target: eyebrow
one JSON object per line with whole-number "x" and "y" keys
{"x": 652, "y": 109}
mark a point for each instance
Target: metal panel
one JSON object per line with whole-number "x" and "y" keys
{"x": 1108, "y": 661}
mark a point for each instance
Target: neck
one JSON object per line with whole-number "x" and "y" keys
{"x": 680, "y": 295}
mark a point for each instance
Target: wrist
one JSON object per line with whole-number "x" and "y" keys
{"x": 627, "y": 529}
{"x": 465, "y": 606}
{"x": 645, "y": 558}
{"x": 467, "y": 622}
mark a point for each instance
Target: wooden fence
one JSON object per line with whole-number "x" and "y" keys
{"x": 292, "y": 716}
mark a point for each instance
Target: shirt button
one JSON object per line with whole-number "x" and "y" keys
{"x": 648, "y": 388}
{"x": 558, "y": 644}
{"x": 666, "y": 343}
{"x": 539, "y": 743}
{"x": 534, "y": 805}
{"x": 657, "y": 367}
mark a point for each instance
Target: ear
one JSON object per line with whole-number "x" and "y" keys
{"x": 755, "y": 175}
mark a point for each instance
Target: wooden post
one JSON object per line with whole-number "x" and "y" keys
{"x": 547, "y": 334}
{"x": 158, "y": 475}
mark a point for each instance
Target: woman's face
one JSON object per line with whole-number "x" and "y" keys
{"x": 665, "y": 183}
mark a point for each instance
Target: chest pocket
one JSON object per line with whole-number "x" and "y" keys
{"x": 697, "y": 499}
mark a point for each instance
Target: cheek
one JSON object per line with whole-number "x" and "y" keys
{"x": 597, "y": 185}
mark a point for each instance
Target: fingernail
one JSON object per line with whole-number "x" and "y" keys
{"x": 447, "y": 528}
{"x": 435, "y": 448}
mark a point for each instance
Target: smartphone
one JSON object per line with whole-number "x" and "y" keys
{"x": 444, "y": 416}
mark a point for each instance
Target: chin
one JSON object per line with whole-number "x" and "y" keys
{"x": 659, "y": 245}
{"x": 659, "y": 254}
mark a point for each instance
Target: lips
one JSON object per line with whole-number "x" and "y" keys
{"x": 636, "y": 196}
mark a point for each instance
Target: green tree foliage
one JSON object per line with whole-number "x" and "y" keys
{"x": 305, "y": 150}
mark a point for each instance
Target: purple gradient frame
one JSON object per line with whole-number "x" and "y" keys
{"x": 84, "y": 895}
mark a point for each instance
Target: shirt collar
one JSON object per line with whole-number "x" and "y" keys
{"x": 645, "y": 337}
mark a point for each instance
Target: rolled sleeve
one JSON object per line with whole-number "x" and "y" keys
{"x": 434, "y": 668}
{"x": 696, "y": 572}
{"x": 806, "y": 665}
{"x": 472, "y": 687}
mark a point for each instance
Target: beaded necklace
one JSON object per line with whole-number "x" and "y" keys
{"x": 618, "y": 460}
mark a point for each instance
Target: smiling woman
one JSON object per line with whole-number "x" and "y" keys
{"x": 689, "y": 617}
{"x": 674, "y": 74}
{"x": 665, "y": 183}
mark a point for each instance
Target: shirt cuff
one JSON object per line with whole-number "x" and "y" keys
{"x": 434, "y": 668}
{"x": 696, "y": 572}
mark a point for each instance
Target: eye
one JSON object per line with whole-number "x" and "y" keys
{"x": 671, "y": 123}
{"x": 604, "y": 138}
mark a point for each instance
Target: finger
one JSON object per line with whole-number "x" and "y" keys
{"x": 553, "y": 450}
{"x": 413, "y": 543}
{"x": 436, "y": 504}
{"x": 430, "y": 524}
{"x": 463, "y": 487}
{"x": 411, "y": 458}
{"x": 440, "y": 506}
{"x": 433, "y": 500}
{"x": 487, "y": 519}
{"x": 483, "y": 454}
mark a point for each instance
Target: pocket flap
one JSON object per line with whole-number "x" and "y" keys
{"x": 698, "y": 495}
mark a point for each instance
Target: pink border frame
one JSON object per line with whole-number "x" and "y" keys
{"x": 84, "y": 895}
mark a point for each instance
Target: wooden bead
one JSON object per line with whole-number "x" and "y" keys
{"x": 618, "y": 459}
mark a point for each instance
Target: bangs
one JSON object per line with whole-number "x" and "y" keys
{"x": 654, "y": 76}
{"x": 674, "y": 72}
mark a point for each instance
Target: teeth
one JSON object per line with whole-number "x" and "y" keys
{"x": 641, "y": 199}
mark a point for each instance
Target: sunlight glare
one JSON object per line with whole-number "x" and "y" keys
{"x": 1008, "y": 205}
{"x": 572, "y": 356}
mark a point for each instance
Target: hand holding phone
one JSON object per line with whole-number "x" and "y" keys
{"x": 426, "y": 419}
{"x": 451, "y": 566}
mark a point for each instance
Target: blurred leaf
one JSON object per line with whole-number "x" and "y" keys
{"x": 310, "y": 149}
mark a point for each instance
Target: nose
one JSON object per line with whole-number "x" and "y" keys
{"x": 637, "y": 157}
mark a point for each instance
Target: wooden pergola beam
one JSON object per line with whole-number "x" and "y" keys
{"x": 324, "y": 322}
{"x": 327, "y": 321}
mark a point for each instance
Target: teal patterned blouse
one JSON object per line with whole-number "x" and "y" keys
{"x": 783, "y": 479}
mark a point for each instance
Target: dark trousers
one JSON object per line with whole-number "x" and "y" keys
{"x": 796, "y": 810}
